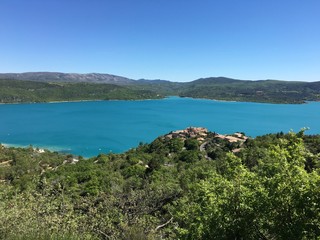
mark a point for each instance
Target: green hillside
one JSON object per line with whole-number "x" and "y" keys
{"x": 17, "y": 91}
{"x": 253, "y": 91}
{"x": 188, "y": 184}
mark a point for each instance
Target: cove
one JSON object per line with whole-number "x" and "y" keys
{"x": 90, "y": 128}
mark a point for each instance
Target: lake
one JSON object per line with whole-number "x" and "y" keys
{"x": 89, "y": 128}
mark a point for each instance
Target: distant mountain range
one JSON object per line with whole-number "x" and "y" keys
{"x": 67, "y": 77}
{"x": 220, "y": 88}
{"x": 108, "y": 78}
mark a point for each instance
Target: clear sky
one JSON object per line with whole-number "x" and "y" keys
{"x": 177, "y": 40}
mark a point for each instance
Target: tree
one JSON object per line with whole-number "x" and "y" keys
{"x": 191, "y": 144}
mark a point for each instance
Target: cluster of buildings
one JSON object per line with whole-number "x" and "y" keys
{"x": 199, "y": 133}
{"x": 236, "y": 137}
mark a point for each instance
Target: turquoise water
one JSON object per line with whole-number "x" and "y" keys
{"x": 89, "y": 128}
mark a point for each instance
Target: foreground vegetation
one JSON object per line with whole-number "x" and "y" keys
{"x": 190, "y": 184}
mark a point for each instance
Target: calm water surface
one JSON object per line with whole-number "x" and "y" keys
{"x": 89, "y": 128}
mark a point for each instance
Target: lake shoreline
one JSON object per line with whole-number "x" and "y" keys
{"x": 77, "y": 101}
{"x": 148, "y": 99}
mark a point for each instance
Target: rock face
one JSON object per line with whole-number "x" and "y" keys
{"x": 68, "y": 77}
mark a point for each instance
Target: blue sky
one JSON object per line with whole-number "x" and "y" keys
{"x": 177, "y": 40}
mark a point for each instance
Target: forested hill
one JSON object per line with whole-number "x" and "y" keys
{"x": 15, "y": 91}
{"x": 187, "y": 184}
{"x": 220, "y": 88}
{"x": 253, "y": 91}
